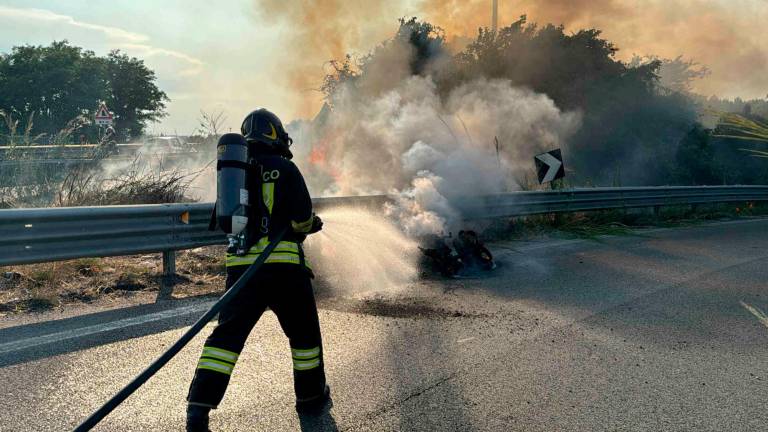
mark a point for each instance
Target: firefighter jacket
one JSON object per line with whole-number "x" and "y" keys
{"x": 279, "y": 200}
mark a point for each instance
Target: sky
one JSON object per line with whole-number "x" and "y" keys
{"x": 212, "y": 59}
{"x": 243, "y": 54}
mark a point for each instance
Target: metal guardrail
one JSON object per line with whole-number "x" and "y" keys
{"x": 68, "y": 162}
{"x": 39, "y": 235}
{"x": 571, "y": 200}
{"x": 53, "y": 234}
{"x": 43, "y": 235}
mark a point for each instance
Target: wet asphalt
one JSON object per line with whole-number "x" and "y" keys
{"x": 660, "y": 330}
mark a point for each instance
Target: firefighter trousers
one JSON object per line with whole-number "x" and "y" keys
{"x": 287, "y": 290}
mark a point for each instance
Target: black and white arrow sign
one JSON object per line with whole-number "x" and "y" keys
{"x": 549, "y": 166}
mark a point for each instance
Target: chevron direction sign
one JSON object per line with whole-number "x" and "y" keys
{"x": 549, "y": 166}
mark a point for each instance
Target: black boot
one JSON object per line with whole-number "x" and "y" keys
{"x": 197, "y": 418}
{"x": 314, "y": 405}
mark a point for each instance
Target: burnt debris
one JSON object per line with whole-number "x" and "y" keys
{"x": 456, "y": 257}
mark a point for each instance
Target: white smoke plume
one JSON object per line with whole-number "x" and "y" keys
{"x": 429, "y": 152}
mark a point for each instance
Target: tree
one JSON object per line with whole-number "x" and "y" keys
{"x": 423, "y": 41}
{"x": 211, "y": 125}
{"x": 696, "y": 164}
{"x": 630, "y": 124}
{"x": 132, "y": 93}
{"x": 58, "y": 83}
{"x": 54, "y": 84}
{"x": 675, "y": 75}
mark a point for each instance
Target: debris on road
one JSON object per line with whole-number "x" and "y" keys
{"x": 465, "y": 255}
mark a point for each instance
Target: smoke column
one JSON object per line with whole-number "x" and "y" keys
{"x": 495, "y": 15}
{"x": 725, "y": 35}
{"x": 318, "y": 31}
{"x": 429, "y": 152}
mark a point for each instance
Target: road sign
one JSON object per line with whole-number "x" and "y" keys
{"x": 549, "y": 166}
{"x": 103, "y": 116}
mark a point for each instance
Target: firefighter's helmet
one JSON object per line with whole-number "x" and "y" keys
{"x": 262, "y": 127}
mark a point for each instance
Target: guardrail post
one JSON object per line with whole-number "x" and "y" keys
{"x": 169, "y": 276}
{"x": 169, "y": 263}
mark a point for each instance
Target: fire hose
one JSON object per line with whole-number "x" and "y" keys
{"x": 158, "y": 364}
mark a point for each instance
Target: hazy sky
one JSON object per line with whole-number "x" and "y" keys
{"x": 205, "y": 58}
{"x": 239, "y": 54}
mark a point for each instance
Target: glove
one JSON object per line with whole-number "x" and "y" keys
{"x": 317, "y": 224}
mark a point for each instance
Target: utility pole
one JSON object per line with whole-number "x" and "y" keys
{"x": 495, "y": 16}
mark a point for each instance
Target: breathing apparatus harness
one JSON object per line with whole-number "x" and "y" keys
{"x": 239, "y": 179}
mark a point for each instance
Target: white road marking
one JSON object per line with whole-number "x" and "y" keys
{"x": 760, "y": 315}
{"x": 465, "y": 340}
{"x": 18, "y": 345}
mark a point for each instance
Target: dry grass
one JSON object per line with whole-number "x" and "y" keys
{"x": 92, "y": 185}
{"x": 26, "y": 181}
{"x": 89, "y": 186}
{"x": 40, "y": 287}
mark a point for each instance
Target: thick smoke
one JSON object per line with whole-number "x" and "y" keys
{"x": 724, "y": 35}
{"x": 318, "y": 31}
{"x": 391, "y": 129}
{"x": 721, "y": 34}
{"x": 429, "y": 152}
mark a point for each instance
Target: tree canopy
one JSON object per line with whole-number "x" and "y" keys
{"x": 56, "y": 84}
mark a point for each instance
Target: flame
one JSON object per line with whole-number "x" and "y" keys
{"x": 319, "y": 158}
{"x": 317, "y": 155}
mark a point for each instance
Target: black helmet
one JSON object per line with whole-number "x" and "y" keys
{"x": 265, "y": 128}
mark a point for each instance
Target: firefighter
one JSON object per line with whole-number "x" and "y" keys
{"x": 283, "y": 284}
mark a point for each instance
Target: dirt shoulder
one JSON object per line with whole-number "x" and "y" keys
{"x": 114, "y": 281}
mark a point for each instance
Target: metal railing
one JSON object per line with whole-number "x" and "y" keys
{"x": 53, "y": 234}
{"x": 570, "y": 200}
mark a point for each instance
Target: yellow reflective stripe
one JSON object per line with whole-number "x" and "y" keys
{"x": 240, "y": 262}
{"x": 268, "y": 194}
{"x": 215, "y": 366}
{"x": 275, "y": 258}
{"x": 256, "y": 255}
{"x": 220, "y": 354}
{"x": 284, "y": 258}
{"x": 306, "y": 364}
{"x": 303, "y": 227}
{"x": 286, "y": 252}
{"x": 283, "y": 246}
{"x": 305, "y": 353}
{"x": 287, "y": 247}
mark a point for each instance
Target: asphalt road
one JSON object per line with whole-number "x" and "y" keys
{"x": 664, "y": 330}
